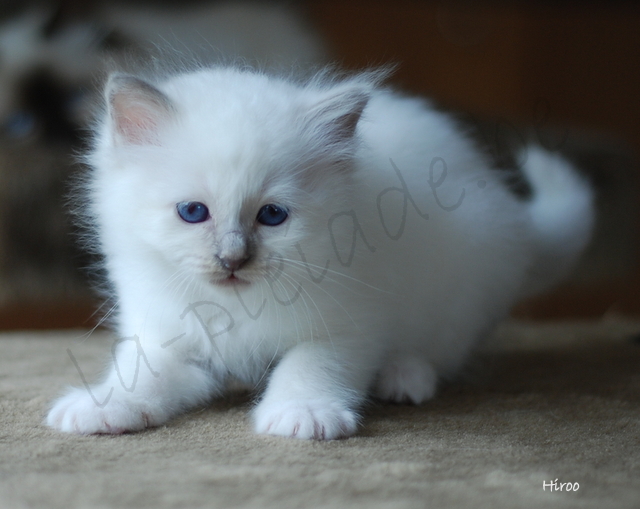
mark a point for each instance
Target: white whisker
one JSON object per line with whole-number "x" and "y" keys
{"x": 305, "y": 264}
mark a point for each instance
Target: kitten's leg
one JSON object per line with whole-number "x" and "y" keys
{"x": 406, "y": 378}
{"x": 314, "y": 393}
{"x": 144, "y": 388}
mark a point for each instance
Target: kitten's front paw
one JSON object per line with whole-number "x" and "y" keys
{"x": 307, "y": 419}
{"x": 78, "y": 412}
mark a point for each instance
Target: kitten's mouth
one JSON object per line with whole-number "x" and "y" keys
{"x": 231, "y": 281}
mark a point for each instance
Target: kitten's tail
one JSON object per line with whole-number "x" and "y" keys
{"x": 562, "y": 215}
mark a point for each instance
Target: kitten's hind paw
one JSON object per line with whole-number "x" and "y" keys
{"x": 306, "y": 419}
{"x": 406, "y": 379}
{"x": 79, "y": 412}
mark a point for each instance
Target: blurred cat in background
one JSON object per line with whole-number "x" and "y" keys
{"x": 51, "y": 62}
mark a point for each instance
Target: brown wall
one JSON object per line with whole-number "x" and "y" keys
{"x": 502, "y": 58}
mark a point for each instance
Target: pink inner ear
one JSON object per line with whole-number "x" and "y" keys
{"x": 138, "y": 111}
{"x": 137, "y": 125}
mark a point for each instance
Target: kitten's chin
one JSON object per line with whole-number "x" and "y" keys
{"x": 231, "y": 281}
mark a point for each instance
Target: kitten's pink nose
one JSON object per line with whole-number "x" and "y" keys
{"x": 232, "y": 251}
{"x": 232, "y": 264}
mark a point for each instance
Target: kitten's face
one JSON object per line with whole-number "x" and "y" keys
{"x": 227, "y": 222}
{"x": 226, "y": 190}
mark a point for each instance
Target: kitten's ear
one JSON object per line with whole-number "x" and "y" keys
{"x": 137, "y": 110}
{"x": 336, "y": 117}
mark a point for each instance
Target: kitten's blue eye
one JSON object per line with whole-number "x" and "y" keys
{"x": 272, "y": 215}
{"x": 193, "y": 211}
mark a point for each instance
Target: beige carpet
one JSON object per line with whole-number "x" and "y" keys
{"x": 560, "y": 402}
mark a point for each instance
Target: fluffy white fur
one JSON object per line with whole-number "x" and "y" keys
{"x": 402, "y": 248}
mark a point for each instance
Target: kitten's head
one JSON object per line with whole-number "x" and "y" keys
{"x": 225, "y": 175}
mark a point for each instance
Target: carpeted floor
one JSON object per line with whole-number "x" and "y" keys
{"x": 560, "y": 401}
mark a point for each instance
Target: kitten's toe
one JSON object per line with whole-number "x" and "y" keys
{"x": 305, "y": 419}
{"x": 406, "y": 379}
{"x": 81, "y": 412}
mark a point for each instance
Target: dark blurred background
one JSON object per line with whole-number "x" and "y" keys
{"x": 564, "y": 74}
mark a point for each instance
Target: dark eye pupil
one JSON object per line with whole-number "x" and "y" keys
{"x": 193, "y": 211}
{"x": 272, "y": 215}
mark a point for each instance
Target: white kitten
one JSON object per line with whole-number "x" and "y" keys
{"x": 349, "y": 238}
